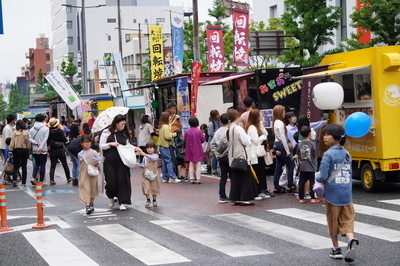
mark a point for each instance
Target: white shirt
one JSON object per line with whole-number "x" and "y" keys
{"x": 280, "y": 136}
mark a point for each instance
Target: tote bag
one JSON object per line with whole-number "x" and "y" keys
{"x": 127, "y": 154}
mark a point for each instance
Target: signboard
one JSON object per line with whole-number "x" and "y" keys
{"x": 196, "y": 68}
{"x": 215, "y": 44}
{"x": 267, "y": 115}
{"x": 168, "y": 61}
{"x": 156, "y": 52}
{"x": 182, "y": 95}
{"x": 241, "y": 37}
{"x": 267, "y": 42}
{"x": 177, "y": 42}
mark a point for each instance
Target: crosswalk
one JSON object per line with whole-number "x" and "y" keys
{"x": 56, "y": 247}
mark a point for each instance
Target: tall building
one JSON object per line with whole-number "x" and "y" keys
{"x": 40, "y": 58}
{"x": 264, "y": 10}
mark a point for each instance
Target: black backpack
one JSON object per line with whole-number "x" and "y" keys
{"x": 74, "y": 146}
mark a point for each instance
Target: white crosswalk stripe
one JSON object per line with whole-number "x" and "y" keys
{"x": 55, "y": 249}
{"x": 394, "y": 201}
{"x": 361, "y": 228}
{"x": 137, "y": 245}
{"x": 378, "y": 212}
{"x": 286, "y": 233}
{"x": 211, "y": 239}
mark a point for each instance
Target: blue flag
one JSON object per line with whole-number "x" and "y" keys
{"x": 1, "y": 19}
{"x": 177, "y": 42}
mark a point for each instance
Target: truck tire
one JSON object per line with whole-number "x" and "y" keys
{"x": 368, "y": 178}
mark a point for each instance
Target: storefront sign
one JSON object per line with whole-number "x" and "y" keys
{"x": 241, "y": 37}
{"x": 215, "y": 44}
{"x": 156, "y": 52}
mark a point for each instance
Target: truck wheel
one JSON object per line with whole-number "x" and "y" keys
{"x": 368, "y": 178}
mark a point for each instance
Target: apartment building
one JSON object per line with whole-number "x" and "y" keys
{"x": 40, "y": 57}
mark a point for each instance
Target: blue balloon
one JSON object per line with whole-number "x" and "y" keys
{"x": 357, "y": 125}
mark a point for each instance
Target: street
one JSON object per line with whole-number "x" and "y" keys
{"x": 190, "y": 227}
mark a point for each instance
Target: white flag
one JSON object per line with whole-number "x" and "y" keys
{"x": 64, "y": 89}
{"x": 121, "y": 75}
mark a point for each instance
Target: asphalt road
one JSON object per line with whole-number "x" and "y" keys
{"x": 190, "y": 227}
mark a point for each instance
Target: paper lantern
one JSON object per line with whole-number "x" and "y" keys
{"x": 328, "y": 95}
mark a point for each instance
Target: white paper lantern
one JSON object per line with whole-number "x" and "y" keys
{"x": 328, "y": 95}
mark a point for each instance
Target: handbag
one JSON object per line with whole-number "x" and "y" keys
{"x": 319, "y": 187}
{"x": 239, "y": 163}
{"x": 149, "y": 175}
{"x": 91, "y": 170}
{"x": 268, "y": 159}
{"x": 261, "y": 152}
{"x": 127, "y": 153}
{"x": 8, "y": 167}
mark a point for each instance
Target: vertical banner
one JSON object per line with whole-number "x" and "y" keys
{"x": 121, "y": 75}
{"x": 1, "y": 19}
{"x": 215, "y": 46}
{"x": 196, "y": 68}
{"x": 182, "y": 95}
{"x": 168, "y": 62}
{"x": 64, "y": 89}
{"x": 241, "y": 37}
{"x": 107, "y": 64}
{"x": 365, "y": 35}
{"x": 177, "y": 42}
{"x": 156, "y": 52}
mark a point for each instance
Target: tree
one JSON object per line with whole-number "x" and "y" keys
{"x": 17, "y": 101}
{"x": 3, "y": 108}
{"x": 69, "y": 70}
{"x": 381, "y": 18}
{"x": 312, "y": 23}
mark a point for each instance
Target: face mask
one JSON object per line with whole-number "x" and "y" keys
{"x": 294, "y": 120}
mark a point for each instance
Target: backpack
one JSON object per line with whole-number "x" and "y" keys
{"x": 74, "y": 146}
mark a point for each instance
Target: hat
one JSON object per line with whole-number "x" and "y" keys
{"x": 54, "y": 122}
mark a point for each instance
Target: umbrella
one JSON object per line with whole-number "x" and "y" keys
{"x": 105, "y": 118}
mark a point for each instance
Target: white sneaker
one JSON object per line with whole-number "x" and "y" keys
{"x": 176, "y": 180}
{"x": 258, "y": 198}
{"x": 111, "y": 203}
{"x": 264, "y": 196}
{"x": 122, "y": 207}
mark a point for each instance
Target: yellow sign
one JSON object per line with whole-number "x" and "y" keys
{"x": 156, "y": 52}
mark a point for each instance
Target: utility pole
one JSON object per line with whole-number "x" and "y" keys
{"x": 140, "y": 54}
{"x": 196, "y": 49}
{"x": 119, "y": 27}
{"x": 85, "y": 88}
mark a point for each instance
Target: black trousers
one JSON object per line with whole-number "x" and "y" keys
{"x": 56, "y": 155}
{"x": 20, "y": 156}
{"x": 304, "y": 176}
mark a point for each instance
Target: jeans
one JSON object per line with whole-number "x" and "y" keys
{"x": 167, "y": 167}
{"x": 282, "y": 160}
{"x": 75, "y": 165}
{"x": 40, "y": 163}
{"x": 224, "y": 165}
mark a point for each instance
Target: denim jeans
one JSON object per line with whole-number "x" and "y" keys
{"x": 167, "y": 167}
{"x": 40, "y": 163}
{"x": 224, "y": 165}
{"x": 75, "y": 165}
{"x": 282, "y": 160}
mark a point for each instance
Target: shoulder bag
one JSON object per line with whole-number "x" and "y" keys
{"x": 238, "y": 164}
{"x": 91, "y": 170}
{"x": 8, "y": 167}
{"x": 127, "y": 153}
{"x": 149, "y": 175}
{"x": 319, "y": 187}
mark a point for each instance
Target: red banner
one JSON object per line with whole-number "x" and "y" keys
{"x": 196, "y": 68}
{"x": 365, "y": 35}
{"x": 215, "y": 46}
{"x": 241, "y": 37}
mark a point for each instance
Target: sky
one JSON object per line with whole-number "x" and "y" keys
{"x": 25, "y": 20}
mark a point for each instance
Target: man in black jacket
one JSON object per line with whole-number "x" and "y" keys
{"x": 74, "y": 129}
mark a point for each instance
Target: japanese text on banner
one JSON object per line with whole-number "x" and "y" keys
{"x": 215, "y": 45}
{"x": 241, "y": 37}
{"x": 156, "y": 52}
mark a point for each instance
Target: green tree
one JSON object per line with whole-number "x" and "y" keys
{"x": 40, "y": 86}
{"x": 381, "y": 18}
{"x": 188, "y": 53}
{"x": 312, "y": 23}
{"x": 68, "y": 70}
{"x": 17, "y": 102}
{"x": 3, "y": 108}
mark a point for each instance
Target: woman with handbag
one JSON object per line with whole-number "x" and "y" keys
{"x": 243, "y": 188}
{"x": 256, "y": 152}
{"x": 117, "y": 174}
{"x": 19, "y": 147}
{"x": 56, "y": 146}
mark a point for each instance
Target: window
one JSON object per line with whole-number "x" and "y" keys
{"x": 109, "y": 37}
{"x": 111, "y": 20}
{"x": 363, "y": 86}
{"x": 69, "y": 25}
{"x": 273, "y": 11}
{"x": 348, "y": 88}
{"x": 159, "y": 20}
{"x": 146, "y": 21}
{"x": 134, "y": 20}
{"x": 343, "y": 20}
{"x": 47, "y": 57}
{"x": 68, "y": 9}
{"x": 48, "y": 68}
{"x": 70, "y": 41}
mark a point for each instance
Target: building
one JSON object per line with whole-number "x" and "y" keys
{"x": 265, "y": 10}
{"x": 40, "y": 57}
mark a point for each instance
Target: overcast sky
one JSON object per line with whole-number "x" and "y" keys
{"x": 24, "y": 20}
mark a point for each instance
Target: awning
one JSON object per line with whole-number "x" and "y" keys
{"x": 331, "y": 72}
{"x": 227, "y": 78}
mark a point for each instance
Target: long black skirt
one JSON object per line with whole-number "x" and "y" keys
{"x": 118, "y": 180}
{"x": 243, "y": 186}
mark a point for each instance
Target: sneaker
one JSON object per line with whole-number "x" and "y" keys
{"x": 216, "y": 174}
{"x": 270, "y": 193}
{"x": 291, "y": 191}
{"x": 111, "y": 203}
{"x": 69, "y": 180}
{"x": 263, "y": 195}
{"x": 14, "y": 183}
{"x": 88, "y": 210}
{"x": 307, "y": 196}
{"x": 122, "y": 207}
{"x": 91, "y": 206}
{"x": 181, "y": 177}
{"x": 198, "y": 182}
{"x": 75, "y": 182}
{"x": 52, "y": 182}
{"x": 33, "y": 181}
{"x": 224, "y": 200}
{"x": 258, "y": 198}
{"x": 155, "y": 203}
{"x": 336, "y": 253}
{"x": 165, "y": 181}
{"x": 350, "y": 255}
{"x": 192, "y": 181}
{"x": 174, "y": 180}
{"x": 148, "y": 203}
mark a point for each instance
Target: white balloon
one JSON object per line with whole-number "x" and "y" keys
{"x": 328, "y": 95}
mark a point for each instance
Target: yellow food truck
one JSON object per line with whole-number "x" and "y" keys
{"x": 371, "y": 82}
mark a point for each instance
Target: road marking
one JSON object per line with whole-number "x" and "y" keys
{"x": 211, "y": 239}
{"x": 285, "y": 233}
{"x": 31, "y": 193}
{"x": 378, "y": 212}
{"x": 361, "y": 228}
{"x": 53, "y": 220}
{"x": 394, "y": 201}
{"x": 136, "y": 245}
{"x": 55, "y": 249}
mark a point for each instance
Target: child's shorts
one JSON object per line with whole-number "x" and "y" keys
{"x": 340, "y": 219}
{"x": 180, "y": 161}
